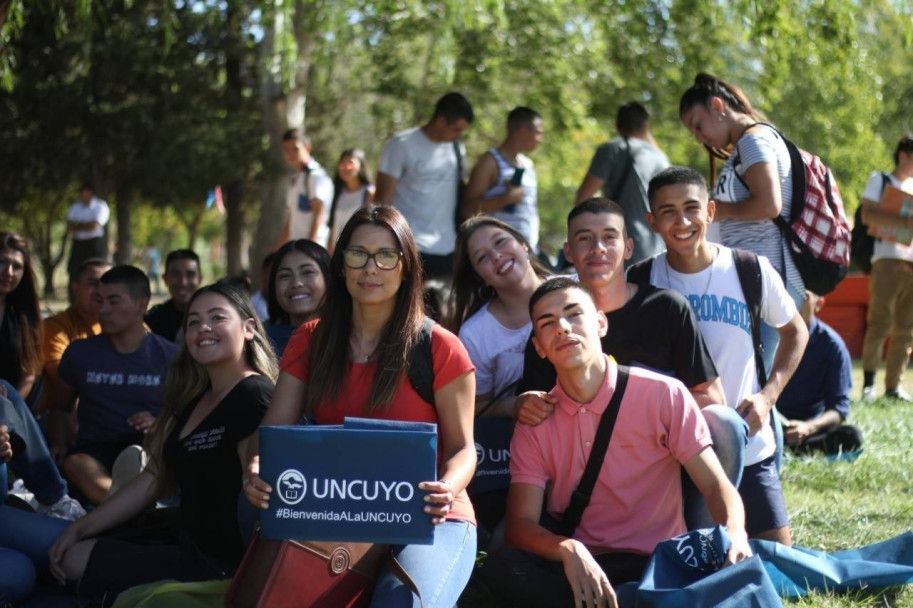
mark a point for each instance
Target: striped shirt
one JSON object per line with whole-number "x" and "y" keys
{"x": 762, "y": 236}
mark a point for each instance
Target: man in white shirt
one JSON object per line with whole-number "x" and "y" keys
{"x": 86, "y": 221}
{"x": 707, "y": 276}
{"x": 420, "y": 173}
{"x": 310, "y": 191}
{"x": 890, "y": 284}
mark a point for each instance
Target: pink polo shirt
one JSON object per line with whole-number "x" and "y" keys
{"x": 637, "y": 501}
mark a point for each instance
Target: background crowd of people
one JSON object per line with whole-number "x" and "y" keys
{"x": 117, "y": 408}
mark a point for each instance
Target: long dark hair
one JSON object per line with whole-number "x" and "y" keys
{"x": 329, "y": 352}
{"x": 706, "y": 87}
{"x": 316, "y": 252}
{"x": 469, "y": 291}
{"x": 188, "y": 379}
{"x": 339, "y": 185}
{"x": 23, "y": 312}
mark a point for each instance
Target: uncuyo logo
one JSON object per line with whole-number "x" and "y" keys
{"x": 480, "y": 453}
{"x": 291, "y": 487}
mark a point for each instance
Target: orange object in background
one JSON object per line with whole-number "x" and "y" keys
{"x": 845, "y": 310}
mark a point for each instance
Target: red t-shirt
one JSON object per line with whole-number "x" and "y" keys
{"x": 450, "y": 362}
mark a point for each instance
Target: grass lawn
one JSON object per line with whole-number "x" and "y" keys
{"x": 841, "y": 505}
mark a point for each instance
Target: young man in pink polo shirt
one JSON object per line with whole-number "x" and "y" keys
{"x": 637, "y": 499}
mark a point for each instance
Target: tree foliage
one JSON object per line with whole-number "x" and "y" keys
{"x": 159, "y": 102}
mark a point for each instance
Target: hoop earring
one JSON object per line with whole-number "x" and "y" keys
{"x": 486, "y": 292}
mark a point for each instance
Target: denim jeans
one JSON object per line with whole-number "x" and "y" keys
{"x": 33, "y": 462}
{"x": 729, "y": 433}
{"x": 440, "y": 570}
{"x": 29, "y": 533}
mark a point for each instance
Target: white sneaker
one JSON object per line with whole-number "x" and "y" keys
{"x": 129, "y": 463}
{"x": 65, "y": 508}
{"x": 22, "y": 493}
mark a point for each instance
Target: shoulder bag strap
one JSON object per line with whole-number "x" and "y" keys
{"x": 749, "y": 271}
{"x": 580, "y": 499}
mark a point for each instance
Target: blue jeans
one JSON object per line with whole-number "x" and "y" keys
{"x": 32, "y": 462}
{"x": 729, "y": 433}
{"x": 25, "y": 539}
{"x": 440, "y": 570}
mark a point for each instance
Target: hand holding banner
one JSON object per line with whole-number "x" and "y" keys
{"x": 357, "y": 482}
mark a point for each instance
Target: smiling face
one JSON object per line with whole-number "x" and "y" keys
{"x": 182, "y": 277}
{"x": 348, "y": 167}
{"x": 372, "y": 285}
{"x": 681, "y": 214}
{"x": 497, "y": 257}
{"x": 215, "y": 333}
{"x": 12, "y": 268}
{"x": 567, "y": 328}
{"x": 708, "y": 124}
{"x": 597, "y": 248}
{"x": 300, "y": 286}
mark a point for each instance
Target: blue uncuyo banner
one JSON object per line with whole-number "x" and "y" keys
{"x": 356, "y": 482}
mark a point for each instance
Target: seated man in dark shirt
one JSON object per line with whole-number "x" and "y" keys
{"x": 182, "y": 277}
{"x": 117, "y": 377}
{"x": 816, "y": 400}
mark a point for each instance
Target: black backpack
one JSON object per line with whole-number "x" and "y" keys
{"x": 420, "y": 369}
{"x": 749, "y": 270}
{"x": 862, "y": 244}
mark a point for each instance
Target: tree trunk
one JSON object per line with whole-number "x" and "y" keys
{"x": 123, "y": 254}
{"x": 283, "y": 109}
{"x": 235, "y": 226}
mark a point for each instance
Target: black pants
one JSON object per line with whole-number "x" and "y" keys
{"x": 843, "y": 438}
{"x": 524, "y": 579}
{"x": 86, "y": 250}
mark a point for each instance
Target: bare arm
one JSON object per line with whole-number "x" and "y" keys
{"x": 286, "y": 408}
{"x": 765, "y": 200}
{"x": 71, "y": 226}
{"x": 386, "y": 186}
{"x": 320, "y": 218}
{"x": 588, "y": 581}
{"x": 502, "y": 408}
{"x": 797, "y": 431}
{"x": 709, "y": 393}
{"x": 25, "y": 385}
{"x": 590, "y": 186}
{"x": 485, "y": 175}
{"x": 793, "y": 338}
{"x": 722, "y": 499}
{"x": 454, "y": 405}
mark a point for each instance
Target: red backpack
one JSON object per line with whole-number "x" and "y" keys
{"x": 817, "y": 231}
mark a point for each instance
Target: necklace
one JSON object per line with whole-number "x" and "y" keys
{"x": 709, "y": 274}
{"x": 360, "y": 353}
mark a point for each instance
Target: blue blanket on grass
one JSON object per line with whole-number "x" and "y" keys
{"x": 686, "y": 571}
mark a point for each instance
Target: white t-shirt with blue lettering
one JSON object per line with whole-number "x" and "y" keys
{"x": 716, "y": 297}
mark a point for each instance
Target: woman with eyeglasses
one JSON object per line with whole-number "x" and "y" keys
{"x": 353, "y": 362}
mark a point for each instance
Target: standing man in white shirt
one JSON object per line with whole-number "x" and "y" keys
{"x": 890, "y": 310}
{"x": 86, "y": 221}
{"x": 420, "y": 173}
{"x": 310, "y": 191}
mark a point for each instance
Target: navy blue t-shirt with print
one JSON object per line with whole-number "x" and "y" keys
{"x": 113, "y": 386}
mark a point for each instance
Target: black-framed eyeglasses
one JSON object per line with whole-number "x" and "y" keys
{"x": 384, "y": 259}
